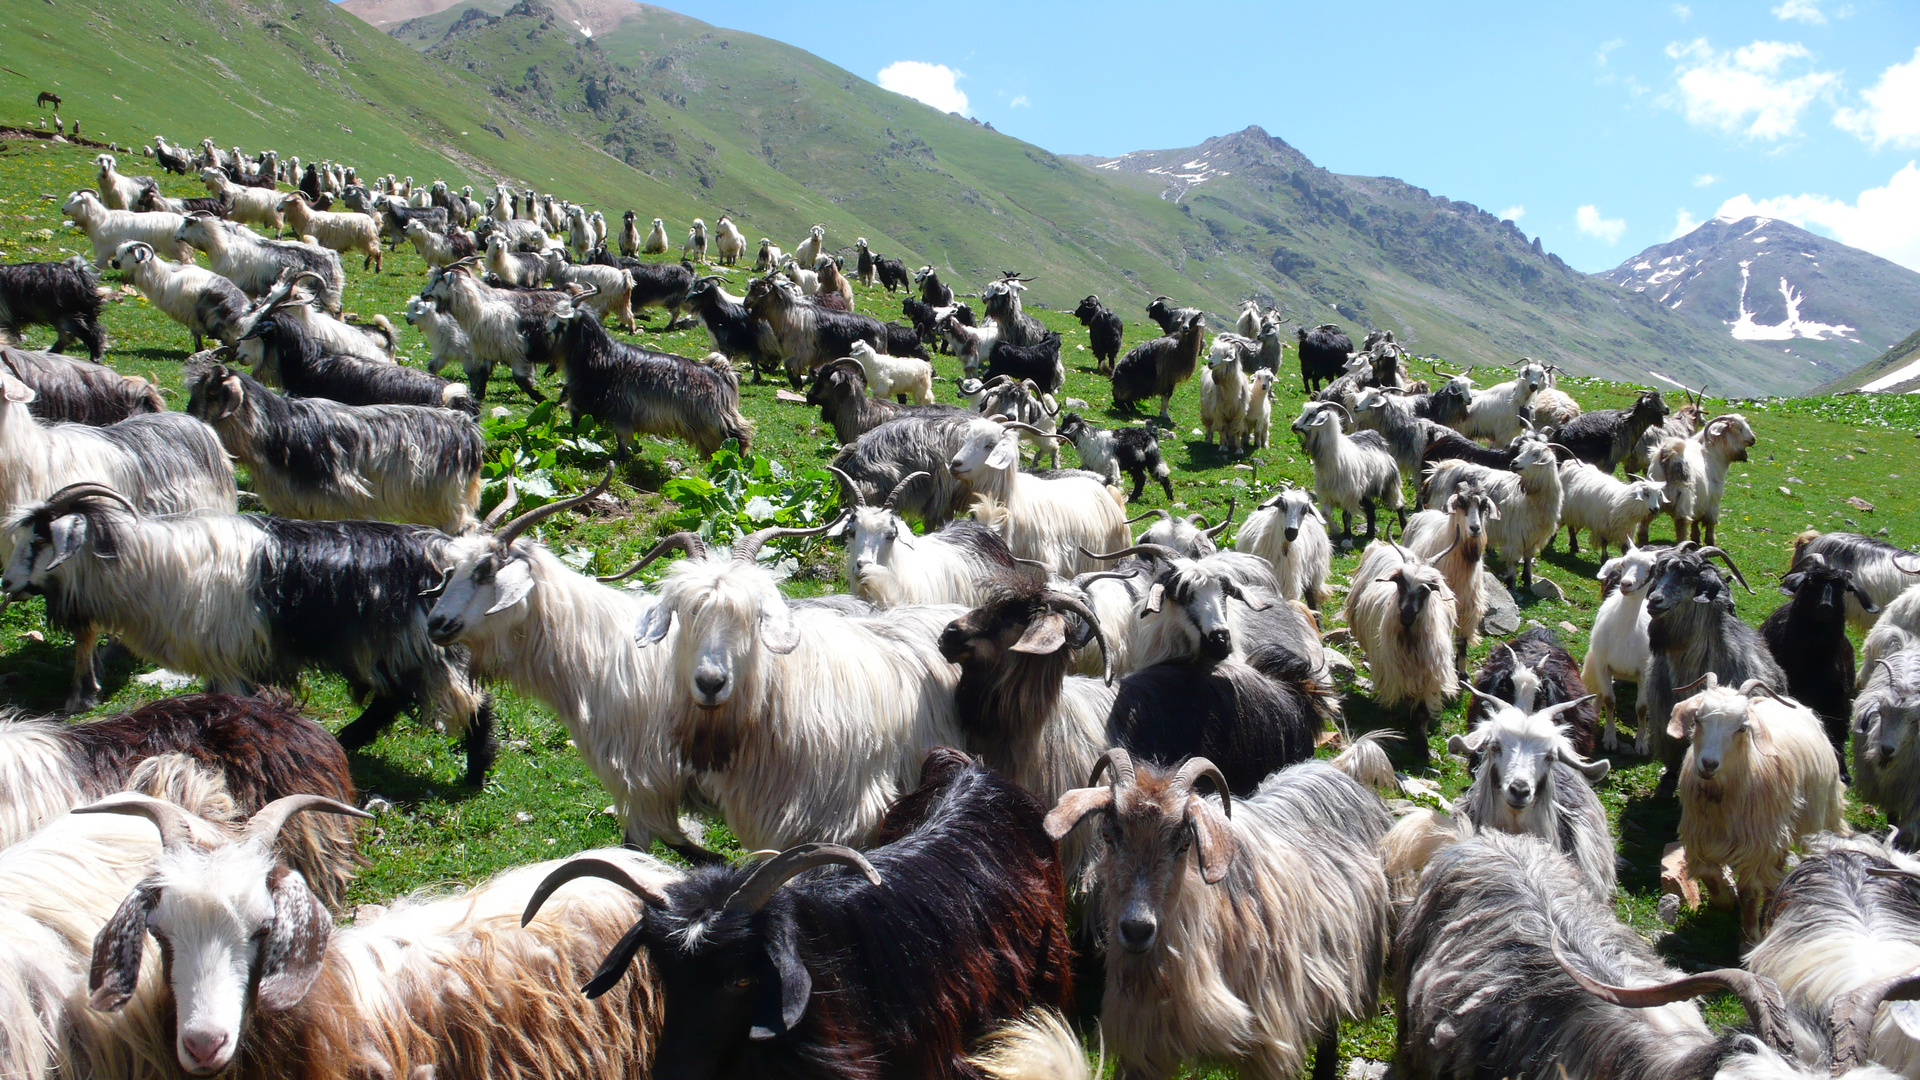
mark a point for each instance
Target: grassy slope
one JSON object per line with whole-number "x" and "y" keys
{"x": 542, "y": 803}
{"x": 1904, "y": 352}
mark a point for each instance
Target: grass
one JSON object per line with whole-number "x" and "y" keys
{"x": 540, "y": 803}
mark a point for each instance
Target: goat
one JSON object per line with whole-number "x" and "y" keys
{"x": 1000, "y": 303}
{"x": 1695, "y": 472}
{"x": 1189, "y": 537}
{"x": 1605, "y": 437}
{"x": 446, "y": 343}
{"x": 1885, "y": 759}
{"x": 256, "y": 264}
{"x": 118, "y": 192}
{"x": 829, "y": 975}
{"x": 1039, "y": 361}
{"x": 891, "y": 376}
{"x": 318, "y": 459}
{"x": 1323, "y": 354}
{"x": 76, "y": 391}
{"x": 1528, "y": 499}
{"x": 634, "y": 390}
{"x": 603, "y": 290}
{"x": 173, "y": 159}
{"x": 1507, "y": 964}
{"x": 1350, "y": 472}
{"x": 293, "y": 303}
{"x": 833, "y": 282}
{"x": 933, "y": 292}
{"x": 1758, "y": 776}
{"x": 839, "y": 390}
{"x": 1533, "y": 780}
{"x": 251, "y": 205}
{"x": 1501, "y": 412}
{"x": 1055, "y": 521}
{"x": 1168, "y": 316}
{"x": 1681, "y": 423}
{"x": 208, "y": 305}
{"x": 513, "y": 269}
{"x": 1223, "y": 394}
{"x": 1275, "y": 932}
{"x": 656, "y": 241}
{"x": 151, "y": 201}
{"x": 247, "y": 600}
{"x": 1406, "y": 434}
{"x": 1007, "y": 399}
{"x": 743, "y": 690}
{"x": 1881, "y": 570}
{"x": 62, "y": 295}
{"x": 887, "y": 565}
{"x": 973, "y": 345}
{"x": 107, "y": 229}
{"x": 1807, "y": 636}
{"x": 629, "y": 236}
{"x": 662, "y": 285}
{"x": 1132, "y": 450}
{"x": 336, "y": 232}
{"x": 893, "y": 274}
{"x": 1611, "y": 512}
{"x": 256, "y": 983}
{"x": 1617, "y": 644}
{"x": 1403, "y": 615}
{"x": 395, "y": 215}
{"x": 738, "y": 335}
{"x": 501, "y": 325}
{"x": 1260, "y": 407}
{"x": 295, "y": 361}
{"x": 1158, "y": 367}
{"x": 1534, "y": 671}
{"x": 1105, "y": 332}
{"x": 1290, "y": 533}
{"x": 440, "y": 249}
{"x": 916, "y": 442}
{"x": 1456, "y": 540}
{"x": 768, "y": 257}
{"x": 806, "y": 334}
{"x": 811, "y": 246}
{"x": 263, "y": 749}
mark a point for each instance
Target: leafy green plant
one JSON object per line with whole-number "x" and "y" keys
{"x": 530, "y": 447}
{"x": 742, "y": 492}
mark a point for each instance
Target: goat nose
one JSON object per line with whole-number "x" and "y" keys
{"x": 1292, "y": 535}
{"x": 1219, "y": 644}
{"x": 1519, "y": 793}
{"x": 1137, "y": 934}
{"x": 1709, "y": 766}
{"x": 203, "y": 1047}
{"x": 710, "y": 683}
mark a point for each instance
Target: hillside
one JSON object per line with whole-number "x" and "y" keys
{"x": 1896, "y": 371}
{"x": 1780, "y": 289}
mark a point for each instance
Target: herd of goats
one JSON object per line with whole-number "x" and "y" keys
{"x": 1019, "y": 712}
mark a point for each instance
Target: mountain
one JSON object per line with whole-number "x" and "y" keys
{"x": 1777, "y": 287}
{"x": 1896, "y": 371}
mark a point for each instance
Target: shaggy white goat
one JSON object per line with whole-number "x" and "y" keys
{"x": 251, "y": 205}
{"x": 1501, "y": 412}
{"x": 1051, "y": 521}
{"x": 335, "y": 231}
{"x": 1403, "y": 615}
{"x": 108, "y": 229}
{"x": 1528, "y": 498}
{"x": 1617, "y": 647}
{"x": 1350, "y": 472}
{"x": 1290, "y": 532}
{"x": 207, "y": 304}
{"x": 1223, "y": 394}
{"x": 1611, "y": 511}
{"x": 888, "y": 376}
{"x": 1694, "y": 471}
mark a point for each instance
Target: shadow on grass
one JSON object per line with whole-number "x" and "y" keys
{"x": 42, "y": 673}
{"x": 374, "y": 773}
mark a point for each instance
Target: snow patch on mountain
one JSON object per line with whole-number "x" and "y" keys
{"x": 1793, "y": 326}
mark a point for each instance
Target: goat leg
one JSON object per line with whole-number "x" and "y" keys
{"x": 481, "y": 745}
{"x": 366, "y": 727}
{"x": 1371, "y": 529}
{"x": 1573, "y": 540}
{"x": 86, "y": 679}
{"x": 1326, "y": 1053}
{"x": 525, "y": 382}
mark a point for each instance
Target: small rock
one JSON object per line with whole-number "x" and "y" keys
{"x": 1860, "y": 450}
{"x": 376, "y": 804}
{"x": 1883, "y": 532}
{"x": 1362, "y": 1069}
{"x": 1795, "y": 480}
{"x": 35, "y": 635}
{"x": 161, "y": 679}
{"x": 1546, "y": 589}
{"x": 1502, "y": 616}
{"x": 522, "y": 817}
{"x": 1669, "y": 909}
{"x": 1786, "y": 490}
{"x": 1859, "y": 503}
{"x": 1568, "y": 627}
{"x": 501, "y": 412}
{"x": 609, "y": 811}
{"x": 1535, "y": 624}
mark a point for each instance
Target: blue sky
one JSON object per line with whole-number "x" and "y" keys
{"x": 1599, "y": 124}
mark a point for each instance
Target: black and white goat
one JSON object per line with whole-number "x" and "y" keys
{"x": 806, "y": 334}
{"x": 501, "y": 325}
{"x": 62, "y": 295}
{"x": 208, "y": 305}
{"x": 735, "y": 334}
{"x": 1604, "y": 438}
{"x": 839, "y": 390}
{"x": 255, "y": 263}
{"x": 1534, "y": 671}
{"x": 1881, "y": 571}
{"x": 296, "y": 362}
{"x": 1133, "y": 450}
{"x": 71, "y": 390}
{"x": 881, "y": 458}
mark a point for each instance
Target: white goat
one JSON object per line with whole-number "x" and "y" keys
{"x": 435, "y": 249}
{"x": 728, "y": 242}
{"x": 1051, "y": 521}
{"x": 611, "y": 287}
{"x": 335, "y": 231}
{"x": 1617, "y": 647}
{"x": 1403, "y": 615}
{"x": 1456, "y": 540}
{"x": 1694, "y": 471}
{"x": 887, "y": 565}
{"x": 696, "y": 244}
{"x": 251, "y": 205}
{"x": 809, "y": 249}
{"x": 656, "y": 241}
{"x": 1502, "y": 412}
{"x": 1897, "y": 630}
{"x": 1610, "y": 510}
{"x": 108, "y": 229}
{"x": 118, "y": 192}
{"x": 1350, "y": 472}
{"x": 257, "y": 264}
{"x": 1759, "y": 776}
{"x": 1223, "y": 394}
{"x": 888, "y": 376}
{"x": 1290, "y": 532}
{"x": 207, "y": 304}
{"x": 1260, "y": 407}
{"x": 1528, "y": 497}
{"x": 446, "y": 342}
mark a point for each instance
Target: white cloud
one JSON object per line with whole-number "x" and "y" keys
{"x": 1682, "y": 12}
{"x": 1883, "y": 220}
{"x": 1019, "y": 101}
{"x": 1705, "y": 180}
{"x": 929, "y": 83}
{"x": 1588, "y": 220}
{"x": 1513, "y": 213}
{"x": 1806, "y": 11}
{"x": 1683, "y": 223}
{"x": 1747, "y": 91}
{"x": 1600, "y": 56}
{"x": 1891, "y": 116}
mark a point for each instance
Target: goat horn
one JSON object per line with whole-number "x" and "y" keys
{"x": 59, "y": 501}
{"x": 265, "y": 825}
{"x": 1881, "y": 661}
{"x": 305, "y": 274}
{"x": 512, "y": 530}
{"x": 507, "y": 499}
{"x": 766, "y": 879}
{"x": 1851, "y": 1025}
{"x": 1161, "y": 511}
{"x": 1120, "y": 761}
{"x": 1225, "y": 521}
{"x": 1151, "y": 551}
{"x": 853, "y": 489}
{"x": 1712, "y": 679}
{"x": 1073, "y": 603}
{"x": 1758, "y": 993}
{"x": 1102, "y": 575}
{"x": 1710, "y": 552}
{"x": 1751, "y": 685}
{"x": 1018, "y": 426}
{"x": 845, "y": 363}
{"x": 588, "y": 867}
{"x": 748, "y": 546}
{"x": 690, "y": 543}
{"x": 1197, "y": 769}
{"x": 893, "y": 497}
{"x": 1552, "y": 711}
{"x": 1479, "y": 693}
{"x": 174, "y": 821}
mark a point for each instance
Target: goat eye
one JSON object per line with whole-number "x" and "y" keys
{"x": 742, "y": 984}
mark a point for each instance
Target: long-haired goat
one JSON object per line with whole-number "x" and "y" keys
{"x": 75, "y": 391}
{"x": 839, "y": 390}
{"x": 1290, "y": 532}
{"x": 1402, "y": 614}
{"x": 1611, "y": 512}
{"x": 1256, "y": 948}
{"x": 1105, "y": 332}
{"x": 1534, "y": 671}
{"x": 341, "y": 232}
{"x": 298, "y": 363}
{"x": 1323, "y": 355}
{"x": 1617, "y": 642}
{"x": 1528, "y": 498}
{"x": 107, "y": 229}
{"x": 1350, "y": 472}
{"x": 1881, "y": 570}
{"x": 1051, "y": 521}
{"x": 916, "y": 442}
{"x": 963, "y": 563}
{"x": 208, "y": 305}
{"x": 1807, "y": 636}
{"x": 806, "y": 334}
{"x": 1886, "y": 741}
{"x": 1456, "y": 540}
{"x": 62, "y": 295}
{"x": 1502, "y": 412}
{"x": 1695, "y": 473}
{"x": 1156, "y": 368}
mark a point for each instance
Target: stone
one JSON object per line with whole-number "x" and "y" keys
{"x": 1502, "y": 616}
{"x": 1546, "y": 589}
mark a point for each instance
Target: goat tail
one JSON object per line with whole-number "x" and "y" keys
{"x": 1365, "y": 760}
{"x": 390, "y": 338}
{"x": 1038, "y": 1046}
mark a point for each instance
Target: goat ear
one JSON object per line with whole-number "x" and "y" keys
{"x": 1680, "y": 722}
{"x": 777, "y": 630}
{"x": 514, "y": 580}
{"x": 1044, "y": 635}
{"x": 290, "y": 957}
{"x": 783, "y": 999}
{"x": 1155, "y": 597}
{"x": 1006, "y": 452}
{"x": 1866, "y": 602}
{"x": 1791, "y": 583}
{"x": 17, "y": 392}
{"x": 234, "y": 392}
{"x": 653, "y": 625}
{"x": 68, "y": 532}
{"x": 1215, "y": 837}
{"x": 1467, "y": 744}
{"x": 1762, "y": 739}
{"x": 117, "y": 948}
{"x": 1594, "y": 771}
{"x": 1074, "y": 807}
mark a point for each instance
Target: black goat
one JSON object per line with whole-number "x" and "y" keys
{"x": 834, "y": 975}
{"x": 1158, "y": 367}
{"x": 295, "y": 362}
{"x": 1604, "y": 437}
{"x": 1169, "y": 318}
{"x": 893, "y": 274}
{"x": 1131, "y": 450}
{"x": 57, "y": 294}
{"x": 1104, "y": 328}
{"x": 1252, "y": 719}
{"x": 905, "y": 341}
{"x": 1000, "y": 303}
{"x": 1039, "y": 361}
{"x": 932, "y": 292}
{"x": 636, "y": 390}
{"x": 80, "y": 391}
{"x": 151, "y": 201}
{"x": 1534, "y": 672}
{"x": 46, "y": 98}
{"x": 309, "y": 182}
{"x": 736, "y": 334}
{"x": 175, "y": 159}
{"x": 1323, "y": 355}
{"x": 661, "y": 285}
{"x": 1450, "y": 445}
{"x": 396, "y": 214}
{"x": 839, "y": 391}
{"x": 1807, "y": 636}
